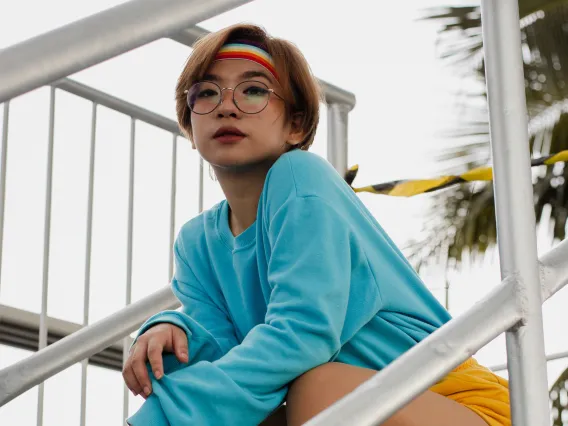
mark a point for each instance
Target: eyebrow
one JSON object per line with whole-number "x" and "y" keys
{"x": 253, "y": 74}
{"x": 245, "y": 75}
{"x": 210, "y": 77}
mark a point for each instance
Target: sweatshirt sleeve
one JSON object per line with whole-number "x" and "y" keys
{"x": 309, "y": 273}
{"x": 209, "y": 331}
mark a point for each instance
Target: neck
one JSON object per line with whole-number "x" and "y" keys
{"x": 242, "y": 189}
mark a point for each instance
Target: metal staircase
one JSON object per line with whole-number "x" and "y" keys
{"x": 513, "y": 307}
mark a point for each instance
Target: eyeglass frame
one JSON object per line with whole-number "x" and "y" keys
{"x": 270, "y": 91}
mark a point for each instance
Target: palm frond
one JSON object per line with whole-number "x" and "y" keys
{"x": 463, "y": 217}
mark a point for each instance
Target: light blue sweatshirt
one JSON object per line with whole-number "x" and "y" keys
{"x": 314, "y": 279}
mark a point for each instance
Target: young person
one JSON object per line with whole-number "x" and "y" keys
{"x": 290, "y": 289}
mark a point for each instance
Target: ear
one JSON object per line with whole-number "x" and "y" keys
{"x": 296, "y": 134}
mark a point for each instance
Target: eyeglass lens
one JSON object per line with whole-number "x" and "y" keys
{"x": 250, "y": 97}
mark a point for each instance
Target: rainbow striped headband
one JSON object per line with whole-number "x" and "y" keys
{"x": 250, "y": 51}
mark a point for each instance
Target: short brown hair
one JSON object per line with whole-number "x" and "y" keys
{"x": 301, "y": 90}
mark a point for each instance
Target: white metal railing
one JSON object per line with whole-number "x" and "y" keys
{"x": 54, "y": 55}
{"x": 20, "y": 328}
{"x": 64, "y": 51}
{"x": 514, "y": 306}
{"x": 443, "y": 350}
{"x": 135, "y": 113}
{"x": 80, "y": 345}
{"x": 515, "y": 209}
{"x": 551, "y": 357}
{"x": 430, "y": 360}
{"x": 48, "y": 361}
{"x": 41, "y": 60}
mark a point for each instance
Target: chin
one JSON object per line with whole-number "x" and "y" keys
{"x": 240, "y": 162}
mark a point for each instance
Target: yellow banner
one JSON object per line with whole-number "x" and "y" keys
{"x": 409, "y": 188}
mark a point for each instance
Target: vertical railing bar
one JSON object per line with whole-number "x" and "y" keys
{"x": 337, "y": 136}
{"x": 200, "y": 199}
{"x": 126, "y": 341}
{"x": 87, "y": 278}
{"x": 46, "y": 243}
{"x": 172, "y": 207}
{"x": 504, "y": 72}
{"x": 3, "y": 174}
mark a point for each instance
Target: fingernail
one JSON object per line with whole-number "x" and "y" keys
{"x": 184, "y": 355}
{"x": 158, "y": 375}
{"x": 147, "y": 391}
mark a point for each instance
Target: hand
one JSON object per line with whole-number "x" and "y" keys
{"x": 149, "y": 347}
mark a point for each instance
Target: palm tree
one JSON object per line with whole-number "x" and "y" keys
{"x": 463, "y": 218}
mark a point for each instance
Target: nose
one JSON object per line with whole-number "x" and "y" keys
{"x": 227, "y": 108}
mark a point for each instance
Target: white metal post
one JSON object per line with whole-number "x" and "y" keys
{"x": 514, "y": 208}
{"x": 46, "y": 246}
{"x": 129, "y": 254}
{"x": 88, "y": 250}
{"x": 337, "y": 133}
{"x": 3, "y": 175}
{"x": 173, "y": 190}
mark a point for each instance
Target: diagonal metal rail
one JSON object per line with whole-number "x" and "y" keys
{"x": 427, "y": 362}
{"x": 21, "y": 376}
{"x": 51, "y": 56}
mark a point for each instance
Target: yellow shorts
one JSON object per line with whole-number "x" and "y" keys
{"x": 478, "y": 389}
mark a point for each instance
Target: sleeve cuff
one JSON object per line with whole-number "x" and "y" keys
{"x": 150, "y": 414}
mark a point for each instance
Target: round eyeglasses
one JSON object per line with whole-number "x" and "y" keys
{"x": 250, "y": 97}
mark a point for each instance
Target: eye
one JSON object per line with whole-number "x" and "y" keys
{"x": 207, "y": 93}
{"x": 253, "y": 91}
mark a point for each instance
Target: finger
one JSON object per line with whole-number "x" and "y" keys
{"x": 130, "y": 379}
{"x": 155, "y": 350}
{"x": 139, "y": 367}
{"x": 180, "y": 345}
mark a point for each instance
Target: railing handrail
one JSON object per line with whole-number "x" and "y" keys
{"x": 425, "y": 363}
{"x": 551, "y": 357}
{"x": 101, "y": 98}
{"x": 446, "y": 348}
{"x": 333, "y": 94}
{"x": 16, "y": 379}
{"x": 90, "y": 340}
{"x": 21, "y": 329}
{"x": 49, "y": 57}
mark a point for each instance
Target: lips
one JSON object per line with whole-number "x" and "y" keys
{"x": 228, "y": 135}
{"x": 228, "y": 131}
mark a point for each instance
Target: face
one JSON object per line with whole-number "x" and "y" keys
{"x": 228, "y": 138}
